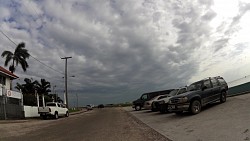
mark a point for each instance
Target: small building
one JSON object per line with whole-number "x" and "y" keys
{"x": 11, "y": 102}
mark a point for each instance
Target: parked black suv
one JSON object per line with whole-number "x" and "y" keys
{"x": 138, "y": 104}
{"x": 199, "y": 94}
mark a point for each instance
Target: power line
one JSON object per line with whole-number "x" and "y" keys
{"x": 7, "y": 37}
{"x": 31, "y": 55}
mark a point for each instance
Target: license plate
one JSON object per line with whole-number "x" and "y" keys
{"x": 171, "y": 107}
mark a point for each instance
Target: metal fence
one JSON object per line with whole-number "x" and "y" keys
{"x": 11, "y": 108}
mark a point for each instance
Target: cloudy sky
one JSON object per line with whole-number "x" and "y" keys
{"x": 123, "y": 48}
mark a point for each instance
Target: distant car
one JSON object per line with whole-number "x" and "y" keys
{"x": 163, "y": 103}
{"x": 89, "y": 107}
{"x": 139, "y": 103}
{"x": 148, "y": 104}
{"x": 100, "y": 106}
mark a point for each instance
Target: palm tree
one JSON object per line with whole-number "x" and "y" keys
{"x": 43, "y": 87}
{"x": 18, "y": 57}
{"x": 28, "y": 88}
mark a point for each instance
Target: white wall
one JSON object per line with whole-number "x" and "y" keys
{"x": 31, "y": 111}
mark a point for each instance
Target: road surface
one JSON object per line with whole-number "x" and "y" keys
{"x": 108, "y": 124}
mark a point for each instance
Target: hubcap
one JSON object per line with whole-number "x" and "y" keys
{"x": 196, "y": 107}
{"x": 223, "y": 97}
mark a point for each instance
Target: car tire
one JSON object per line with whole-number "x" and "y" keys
{"x": 67, "y": 114}
{"x": 56, "y": 115}
{"x": 223, "y": 97}
{"x": 137, "y": 107}
{"x": 195, "y": 107}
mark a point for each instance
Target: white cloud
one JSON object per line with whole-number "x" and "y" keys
{"x": 121, "y": 49}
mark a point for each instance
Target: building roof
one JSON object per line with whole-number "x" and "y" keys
{"x": 8, "y": 73}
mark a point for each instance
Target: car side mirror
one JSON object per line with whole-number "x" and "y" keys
{"x": 203, "y": 88}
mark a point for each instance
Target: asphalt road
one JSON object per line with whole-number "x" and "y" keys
{"x": 108, "y": 124}
{"x": 229, "y": 121}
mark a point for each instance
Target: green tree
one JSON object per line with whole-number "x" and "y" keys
{"x": 18, "y": 57}
{"x": 43, "y": 87}
{"x": 28, "y": 91}
{"x": 28, "y": 87}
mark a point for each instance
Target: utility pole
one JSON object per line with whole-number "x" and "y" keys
{"x": 54, "y": 93}
{"x": 66, "y": 85}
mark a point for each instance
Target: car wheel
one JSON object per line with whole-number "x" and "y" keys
{"x": 67, "y": 114}
{"x": 195, "y": 107}
{"x": 137, "y": 107}
{"x": 56, "y": 115}
{"x": 223, "y": 97}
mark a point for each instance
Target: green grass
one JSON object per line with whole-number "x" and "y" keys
{"x": 73, "y": 110}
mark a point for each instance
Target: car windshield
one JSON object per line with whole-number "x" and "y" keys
{"x": 173, "y": 93}
{"x": 195, "y": 86}
{"x": 183, "y": 90}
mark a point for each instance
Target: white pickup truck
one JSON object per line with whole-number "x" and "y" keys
{"x": 53, "y": 109}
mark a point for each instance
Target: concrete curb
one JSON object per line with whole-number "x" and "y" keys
{"x": 78, "y": 112}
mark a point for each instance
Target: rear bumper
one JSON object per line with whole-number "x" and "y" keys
{"x": 178, "y": 107}
{"x": 45, "y": 114}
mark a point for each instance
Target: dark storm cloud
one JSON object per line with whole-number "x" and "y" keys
{"x": 120, "y": 49}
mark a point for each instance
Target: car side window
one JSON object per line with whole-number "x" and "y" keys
{"x": 207, "y": 83}
{"x": 214, "y": 82}
{"x": 144, "y": 97}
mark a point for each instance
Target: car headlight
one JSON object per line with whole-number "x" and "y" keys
{"x": 183, "y": 99}
{"x": 170, "y": 101}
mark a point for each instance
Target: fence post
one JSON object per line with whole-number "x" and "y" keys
{"x": 37, "y": 98}
{"x": 43, "y": 101}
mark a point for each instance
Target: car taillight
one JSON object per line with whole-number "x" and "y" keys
{"x": 49, "y": 110}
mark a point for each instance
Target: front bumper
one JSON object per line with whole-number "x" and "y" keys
{"x": 148, "y": 107}
{"x": 178, "y": 107}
